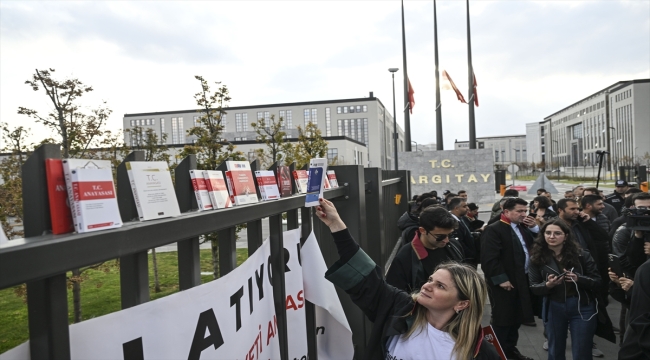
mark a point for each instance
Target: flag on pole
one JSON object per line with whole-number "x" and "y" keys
{"x": 448, "y": 84}
{"x": 475, "y": 94}
{"x": 411, "y": 98}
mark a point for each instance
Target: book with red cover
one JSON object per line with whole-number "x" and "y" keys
{"x": 95, "y": 200}
{"x": 60, "y": 213}
{"x": 331, "y": 176}
{"x": 241, "y": 183}
{"x": 284, "y": 181}
{"x": 200, "y": 190}
{"x": 217, "y": 189}
{"x": 301, "y": 177}
{"x": 268, "y": 187}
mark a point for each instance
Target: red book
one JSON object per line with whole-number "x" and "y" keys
{"x": 241, "y": 181}
{"x": 58, "y": 196}
{"x": 284, "y": 181}
{"x": 301, "y": 180}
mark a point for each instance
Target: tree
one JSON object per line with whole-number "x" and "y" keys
{"x": 78, "y": 131}
{"x": 210, "y": 147}
{"x": 310, "y": 145}
{"x": 272, "y": 134}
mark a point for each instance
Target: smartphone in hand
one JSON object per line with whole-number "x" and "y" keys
{"x": 615, "y": 265}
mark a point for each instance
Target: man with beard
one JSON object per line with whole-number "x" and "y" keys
{"x": 505, "y": 246}
{"x": 593, "y": 206}
{"x": 594, "y": 239}
{"x": 609, "y": 210}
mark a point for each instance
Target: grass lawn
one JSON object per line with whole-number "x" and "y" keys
{"x": 100, "y": 294}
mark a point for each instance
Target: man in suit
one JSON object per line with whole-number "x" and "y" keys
{"x": 505, "y": 247}
{"x": 458, "y": 209}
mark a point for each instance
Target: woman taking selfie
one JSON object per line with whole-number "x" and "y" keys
{"x": 565, "y": 275}
{"x": 440, "y": 321}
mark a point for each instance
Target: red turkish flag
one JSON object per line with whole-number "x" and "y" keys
{"x": 448, "y": 84}
{"x": 411, "y": 98}
{"x": 475, "y": 94}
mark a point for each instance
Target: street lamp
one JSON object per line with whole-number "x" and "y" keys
{"x": 557, "y": 149}
{"x": 393, "y": 71}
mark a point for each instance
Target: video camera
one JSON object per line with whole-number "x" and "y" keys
{"x": 639, "y": 219}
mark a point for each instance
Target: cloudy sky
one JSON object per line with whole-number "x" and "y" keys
{"x": 531, "y": 58}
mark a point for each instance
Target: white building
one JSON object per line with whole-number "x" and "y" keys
{"x": 615, "y": 119}
{"x": 359, "y": 131}
{"x": 506, "y": 149}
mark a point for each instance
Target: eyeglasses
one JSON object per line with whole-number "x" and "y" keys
{"x": 554, "y": 233}
{"x": 439, "y": 237}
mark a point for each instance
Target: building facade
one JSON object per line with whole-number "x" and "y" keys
{"x": 615, "y": 119}
{"x": 506, "y": 149}
{"x": 359, "y": 131}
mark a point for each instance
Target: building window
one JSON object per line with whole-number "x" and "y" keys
{"x": 174, "y": 130}
{"x": 244, "y": 121}
{"x": 153, "y": 121}
{"x": 496, "y": 155}
{"x": 351, "y": 109}
{"x": 338, "y": 110}
{"x": 340, "y": 127}
{"x": 365, "y": 131}
{"x": 238, "y": 122}
{"x": 328, "y": 122}
{"x": 332, "y": 154}
{"x": 224, "y": 121}
{"x": 162, "y": 128}
{"x": 197, "y": 123}
{"x": 365, "y": 108}
{"x": 260, "y": 115}
{"x": 346, "y": 127}
{"x": 358, "y": 108}
{"x": 314, "y": 116}
{"x": 132, "y": 122}
{"x": 283, "y": 120}
{"x": 288, "y": 121}
{"x": 345, "y": 109}
{"x": 306, "y": 114}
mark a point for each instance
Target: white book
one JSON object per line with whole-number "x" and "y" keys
{"x": 153, "y": 189}
{"x": 95, "y": 201}
{"x": 200, "y": 190}
{"x": 268, "y": 187}
{"x": 316, "y": 181}
{"x": 68, "y": 166}
{"x": 217, "y": 189}
{"x": 242, "y": 184}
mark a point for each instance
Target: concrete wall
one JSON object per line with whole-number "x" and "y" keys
{"x": 470, "y": 170}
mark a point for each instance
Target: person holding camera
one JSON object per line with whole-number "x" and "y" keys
{"x": 628, "y": 244}
{"x": 442, "y": 320}
{"x": 565, "y": 276}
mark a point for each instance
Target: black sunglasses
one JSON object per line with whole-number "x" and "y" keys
{"x": 439, "y": 237}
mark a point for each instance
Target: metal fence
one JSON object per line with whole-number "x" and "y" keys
{"x": 365, "y": 199}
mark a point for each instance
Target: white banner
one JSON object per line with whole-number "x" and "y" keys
{"x": 230, "y": 318}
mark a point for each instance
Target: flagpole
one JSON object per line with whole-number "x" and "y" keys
{"x": 470, "y": 70}
{"x": 439, "y": 142}
{"x": 407, "y": 118}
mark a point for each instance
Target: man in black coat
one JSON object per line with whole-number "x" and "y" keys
{"x": 505, "y": 247}
{"x": 594, "y": 239}
{"x": 432, "y": 245}
{"x": 458, "y": 209}
{"x": 636, "y": 344}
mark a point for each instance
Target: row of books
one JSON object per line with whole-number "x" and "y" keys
{"x": 82, "y": 194}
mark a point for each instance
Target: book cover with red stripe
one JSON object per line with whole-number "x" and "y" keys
{"x": 60, "y": 212}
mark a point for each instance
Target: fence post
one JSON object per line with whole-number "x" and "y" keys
{"x": 351, "y": 208}
{"x": 292, "y": 215}
{"x": 375, "y": 215}
{"x": 134, "y": 268}
{"x": 279, "y": 290}
{"x": 310, "y": 310}
{"x": 189, "y": 262}
{"x": 227, "y": 240}
{"x": 47, "y": 301}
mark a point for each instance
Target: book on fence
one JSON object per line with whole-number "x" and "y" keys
{"x": 301, "y": 177}
{"x": 72, "y": 164}
{"x": 268, "y": 188}
{"x": 95, "y": 200}
{"x": 284, "y": 181}
{"x": 200, "y": 190}
{"x": 217, "y": 189}
{"x": 331, "y": 176}
{"x": 316, "y": 181}
{"x": 60, "y": 212}
{"x": 153, "y": 190}
{"x": 241, "y": 182}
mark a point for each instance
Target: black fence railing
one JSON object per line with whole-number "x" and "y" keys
{"x": 369, "y": 200}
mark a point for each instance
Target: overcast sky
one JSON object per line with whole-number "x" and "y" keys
{"x": 531, "y": 58}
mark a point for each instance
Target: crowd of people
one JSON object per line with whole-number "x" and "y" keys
{"x": 558, "y": 261}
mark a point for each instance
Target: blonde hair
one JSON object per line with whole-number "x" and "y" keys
{"x": 464, "y": 326}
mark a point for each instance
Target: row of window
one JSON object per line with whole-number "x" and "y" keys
{"x": 351, "y": 109}
{"x": 356, "y": 129}
{"x": 588, "y": 109}
{"x": 624, "y": 95}
{"x": 143, "y": 122}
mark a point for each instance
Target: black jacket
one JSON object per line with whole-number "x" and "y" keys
{"x": 588, "y": 279}
{"x": 408, "y": 223}
{"x": 503, "y": 259}
{"x": 466, "y": 240}
{"x": 407, "y": 273}
{"x": 636, "y": 344}
{"x": 388, "y": 308}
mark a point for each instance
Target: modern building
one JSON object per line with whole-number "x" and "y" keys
{"x": 615, "y": 119}
{"x": 506, "y": 149}
{"x": 359, "y": 131}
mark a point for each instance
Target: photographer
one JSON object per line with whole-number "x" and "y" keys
{"x": 628, "y": 244}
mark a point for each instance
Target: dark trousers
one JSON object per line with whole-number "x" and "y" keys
{"x": 508, "y": 337}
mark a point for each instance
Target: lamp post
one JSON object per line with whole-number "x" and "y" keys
{"x": 393, "y": 71}
{"x": 557, "y": 148}
{"x": 614, "y": 152}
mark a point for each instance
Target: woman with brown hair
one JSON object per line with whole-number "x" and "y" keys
{"x": 565, "y": 276}
{"x": 440, "y": 321}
